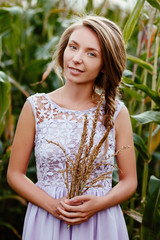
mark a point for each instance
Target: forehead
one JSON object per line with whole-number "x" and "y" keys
{"x": 86, "y": 37}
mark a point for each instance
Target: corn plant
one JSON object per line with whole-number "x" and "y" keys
{"x": 28, "y": 36}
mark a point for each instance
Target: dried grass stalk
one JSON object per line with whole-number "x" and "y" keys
{"x": 80, "y": 170}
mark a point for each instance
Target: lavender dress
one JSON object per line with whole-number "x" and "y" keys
{"x": 65, "y": 127}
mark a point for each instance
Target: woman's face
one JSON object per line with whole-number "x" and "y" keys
{"x": 82, "y": 59}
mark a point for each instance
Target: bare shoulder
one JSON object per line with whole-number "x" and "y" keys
{"x": 27, "y": 111}
{"x": 122, "y": 122}
{"x": 123, "y": 114}
{"x": 26, "y": 120}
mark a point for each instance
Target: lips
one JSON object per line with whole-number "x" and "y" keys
{"x": 75, "y": 69}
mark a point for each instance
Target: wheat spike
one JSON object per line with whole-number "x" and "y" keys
{"x": 80, "y": 170}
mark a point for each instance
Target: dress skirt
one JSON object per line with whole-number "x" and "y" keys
{"x": 108, "y": 224}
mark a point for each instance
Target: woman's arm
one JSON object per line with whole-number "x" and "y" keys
{"x": 126, "y": 160}
{"x": 127, "y": 178}
{"x": 19, "y": 159}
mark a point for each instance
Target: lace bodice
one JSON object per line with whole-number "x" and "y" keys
{"x": 64, "y": 127}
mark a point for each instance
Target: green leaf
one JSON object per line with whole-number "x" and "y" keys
{"x": 158, "y": 83}
{"x": 141, "y": 63}
{"x": 9, "y": 226}
{"x": 132, "y": 93}
{"x": 4, "y": 98}
{"x": 15, "y": 197}
{"x": 46, "y": 51}
{"x": 11, "y": 19}
{"x": 89, "y": 6}
{"x": 151, "y": 216}
{"x": 132, "y": 20}
{"x": 115, "y": 176}
{"x": 141, "y": 147}
{"x": 147, "y": 117}
{"x": 35, "y": 69}
{"x": 154, "y": 3}
{"x": 5, "y": 21}
{"x": 154, "y": 184}
{"x": 154, "y": 95}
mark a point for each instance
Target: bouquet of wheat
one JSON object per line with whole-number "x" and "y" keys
{"x": 80, "y": 170}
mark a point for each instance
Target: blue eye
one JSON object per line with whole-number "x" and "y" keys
{"x": 91, "y": 54}
{"x": 73, "y": 47}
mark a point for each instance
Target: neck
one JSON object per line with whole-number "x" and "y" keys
{"x": 77, "y": 93}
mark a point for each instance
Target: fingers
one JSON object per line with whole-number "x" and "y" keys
{"x": 69, "y": 202}
{"x": 77, "y": 210}
{"x": 81, "y": 198}
{"x": 72, "y": 208}
{"x": 73, "y": 221}
{"x": 71, "y": 217}
{"x": 69, "y": 214}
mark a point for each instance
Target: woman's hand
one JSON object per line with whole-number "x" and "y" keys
{"x": 56, "y": 204}
{"x": 79, "y": 209}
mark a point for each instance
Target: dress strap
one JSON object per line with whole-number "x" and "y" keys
{"x": 32, "y": 103}
{"x": 35, "y": 101}
{"x": 119, "y": 105}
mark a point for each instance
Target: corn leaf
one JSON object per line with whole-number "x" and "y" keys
{"x": 9, "y": 226}
{"x": 134, "y": 214}
{"x": 141, "y": 147}
{"x": 5, "y": 21}
{"x": 132, "y": 20}
{"x": 154, "y": 3}
{"x": 154, "y": 184}
{"x": 15, "y": 197}
{"x": 155, "y": 138}
{"x": 4, "y": 98}
{"x": 141, "y": 63}
{"x": 35, "y": 69}
{"x": 151, "y": 216}
{"x": 11, "y": 20}
{"x": 154, "y": 95}
{"x": 132, "y": 93}
{"x": 147, "y": 117}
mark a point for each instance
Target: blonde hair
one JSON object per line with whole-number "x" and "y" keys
{"x": 113, "y": 54}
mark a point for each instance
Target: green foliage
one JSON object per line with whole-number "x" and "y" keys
{"x": 148, "y": 117}
{"x": 154, "y": 3}
{"x": 28, "y": 37}
{"x": 4, "y": 99}
{"x": 154, "y": 95}
{"x": 132, "y": 20}
{"x": 151, "y": 216}
{"x": 141, "y": 147}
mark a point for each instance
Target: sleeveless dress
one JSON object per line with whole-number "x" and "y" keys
{"x": 64, "y": 127}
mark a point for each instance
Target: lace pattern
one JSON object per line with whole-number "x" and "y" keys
{"x": 65, "y": 127}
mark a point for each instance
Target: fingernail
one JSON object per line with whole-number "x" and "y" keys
{"x": 72, "y": 199}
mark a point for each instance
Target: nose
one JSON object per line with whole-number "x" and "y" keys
{"x": 78, "y": 57}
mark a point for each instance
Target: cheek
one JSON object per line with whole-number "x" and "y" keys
{"x": 66, "y": 57}
{"x": 97, "y": 68}
{"x": 64, "y": 60}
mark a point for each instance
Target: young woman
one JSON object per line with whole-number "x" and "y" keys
{"x": 91, "y": 55}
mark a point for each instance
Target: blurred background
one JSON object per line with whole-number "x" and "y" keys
{"x": 29, "y": 32}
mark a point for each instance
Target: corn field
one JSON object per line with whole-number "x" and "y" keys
{"x": 29, "y": 32}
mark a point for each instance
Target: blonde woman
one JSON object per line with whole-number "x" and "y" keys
{"x": 91, "y": 55}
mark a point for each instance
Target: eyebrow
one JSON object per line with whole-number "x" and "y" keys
{"x": 89, "y": 48}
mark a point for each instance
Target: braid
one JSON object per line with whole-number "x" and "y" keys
{"x": 110, "y": 95}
